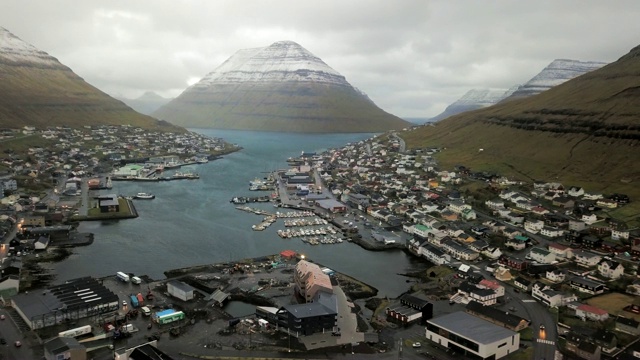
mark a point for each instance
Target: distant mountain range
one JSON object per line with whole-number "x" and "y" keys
{"x": 281, "y": 87}
{"x": 585, "y": 131}
{"x": 554, "y": 74}
{"x": 37, "y": 90}
{"x": 475, "y": 99}
{"x": 146, "y": 103}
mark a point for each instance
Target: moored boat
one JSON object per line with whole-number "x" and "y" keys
{"x": 144, "y": 196}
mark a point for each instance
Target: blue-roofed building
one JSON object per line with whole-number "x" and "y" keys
{"x": 304, "y": 319}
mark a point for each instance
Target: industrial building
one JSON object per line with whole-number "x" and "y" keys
{"x": 180, "y": 290}
{"x": 410, "y": 309}
{"x": 319, "y": 316}
{"x": 75, "y": 299}
{"x": 471, "y": 336}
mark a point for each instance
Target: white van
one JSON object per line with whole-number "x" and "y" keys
{"x": 122, "y": 276}
{"x": 145, "y": 311}
{"x": 136, "y": 280}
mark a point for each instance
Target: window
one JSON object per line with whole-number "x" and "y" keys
{"x": 501, "y": 345}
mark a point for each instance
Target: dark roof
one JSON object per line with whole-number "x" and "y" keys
{"x": 471, "y": 327}
{"x": 522, "y": 281}
{"x": 61, "y": 344}
{"x": 415, "y": 301}
{"x": 73, "y": 294}
{"x": 148, "y": 352}
{"x": 627, "y": 321}
{"x": 582, "y": 342}
{"x": 495, "y": 314}
{"x": 324, "y": 304}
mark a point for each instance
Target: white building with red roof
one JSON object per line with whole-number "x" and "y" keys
{"x": 592, "y": 313}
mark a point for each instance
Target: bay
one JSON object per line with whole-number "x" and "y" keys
{"x": 192, "y": 222}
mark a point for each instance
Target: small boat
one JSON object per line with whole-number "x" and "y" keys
{"x": 144, "y": 196}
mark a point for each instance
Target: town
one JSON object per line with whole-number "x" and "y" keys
{"x": 518, "y": 269}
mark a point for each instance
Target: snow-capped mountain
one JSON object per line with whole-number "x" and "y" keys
{"x": 14, "y": 50}
{"x": 37, "y": 90}
{"x": 556, "y": 73}
{"x": 282, "y": 61}
{"x": 475, "y": 99}
{"x": 281, "y": 87}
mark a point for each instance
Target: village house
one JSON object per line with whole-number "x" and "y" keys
{"x": 459, "y": 251}
{"x": 589, "y": 218}
{"x": 517, "y": 243}
{"x": 561, "y": 251}
{"x": 588, "y": 312}
{"x": 495, "y": 204}
{"x": 522, "y": 283}
{"x": 577, "y": 225}
{"x": 582, "y": 347}
{"x": 434, "y": 255}
{"x": 533, "y": 225}
{"x": 555, "y": 275}
{"x": 550, "y": 297}
{"x": 541, "y": 256}
{"x": 620, "y": 234}
{"x": 468, "y": 292}
{"x": 551, "y": 232}
{"x": 586, "y": 285}
{"x": 503, "y": 274}
{"x": 610, "y": 269}
{"x": 627, "y": 325}
{"x": 513, "y": 262}
{"x": 586, "y": 259}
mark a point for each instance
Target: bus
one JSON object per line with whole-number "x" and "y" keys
{"x": 122, "y": 276}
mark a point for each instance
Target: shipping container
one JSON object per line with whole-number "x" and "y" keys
{"x": 134, "y": 301}
{"x": 168, "y": 316}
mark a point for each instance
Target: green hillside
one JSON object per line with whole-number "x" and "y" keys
{"x": 288, "y": 107}
{"x": 43, "y": 96}
{"x": 584, "y": 132}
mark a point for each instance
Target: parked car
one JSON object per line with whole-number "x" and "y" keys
{"x": 416, "y": 345}
{"x": 18, "y": 343}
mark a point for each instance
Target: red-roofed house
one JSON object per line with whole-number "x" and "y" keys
{"x": 593, "y": 313}
{"x": 493, "y": 285}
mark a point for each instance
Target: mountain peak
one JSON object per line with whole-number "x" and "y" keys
{"x": 556, "y": 73}
{"x": 14, "y": 50}
{"x": 280, "y": 61}
{"x": 280, "y": 87}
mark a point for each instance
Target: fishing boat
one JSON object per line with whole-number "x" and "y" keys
{"x": 144, "y": 196}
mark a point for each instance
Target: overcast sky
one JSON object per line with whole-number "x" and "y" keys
{"x": 413, "y": 58}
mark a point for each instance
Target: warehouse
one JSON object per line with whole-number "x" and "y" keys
{"x": 475, "y": 338}
{"x": 180, "y": 290}
{"x": 75, "y": 299}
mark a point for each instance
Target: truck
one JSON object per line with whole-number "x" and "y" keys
{"x": 122, "y": 276}
{"x": 134, "y": 301}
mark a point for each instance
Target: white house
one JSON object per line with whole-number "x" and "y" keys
{"x": 533, "y": 226}
{"x": 561, "y": 251}
{"x": 541, "y": 255}
{"x": 555, "y": 276}
{"x": 494, "y": 204}
{"x": 610, "y": 269}
{"x": 434, "y": 255}
{"x": 592, "y": 313}
{"x": 589, "y": 218}
{"x": 550, "y": 297}
{"x": 587, "y": 259}
{"x": 619, "y": 234}
{"x": 551, "y": 232}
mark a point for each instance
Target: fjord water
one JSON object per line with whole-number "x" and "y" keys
{"x": 192, "y": 222}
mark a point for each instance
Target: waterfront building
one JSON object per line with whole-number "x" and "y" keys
{"x": 410, "y": 309}
{"x": 497, "y": 316}
{"x": 180, "y": 290}
{"x": 473, "y": 337}
{"x": 75, "y": 299}
{"x": 310, "y": 279}
{"x": 318, "y": 316}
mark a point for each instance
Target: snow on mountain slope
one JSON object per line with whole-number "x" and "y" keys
{"x": 475, "y": 99}
{"x": 13, "y": 49}
{"x": 556, "y": 73}
{"x": 281, "y": 61}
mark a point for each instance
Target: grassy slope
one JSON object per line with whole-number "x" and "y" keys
{"x": 605, "y": 97}
{"x": 44, "y": 97}
{"x": 285, "y": 107}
